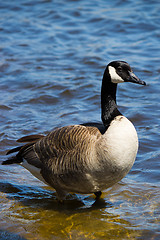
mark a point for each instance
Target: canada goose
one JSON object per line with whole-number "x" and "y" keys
{"x": 85, "y": 158}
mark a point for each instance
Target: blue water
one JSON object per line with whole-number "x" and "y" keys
{"x": 52, "y": 58}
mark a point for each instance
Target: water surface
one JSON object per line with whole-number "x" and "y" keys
{"x": 52, "y": 58}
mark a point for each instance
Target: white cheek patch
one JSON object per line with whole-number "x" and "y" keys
{"x": 115, "y": 78}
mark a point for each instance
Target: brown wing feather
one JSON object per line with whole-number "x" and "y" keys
{"x": 98, "y": 125}
{"x": 30, "y": 138}
{"x": 67, "y": 138}
{"x": 13, "y": 150}
{"x": 63, "y": 141}
{"x": 61, "y": 145}
{"x": 59, "y": 155}
{"x": 64, "y": 151}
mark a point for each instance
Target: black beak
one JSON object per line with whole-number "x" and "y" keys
{"x": 133, "y": 78}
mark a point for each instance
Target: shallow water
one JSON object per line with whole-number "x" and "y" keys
{"x": 52, "y": 58}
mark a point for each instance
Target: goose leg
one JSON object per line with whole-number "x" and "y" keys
{"x": 61, "y": 195}
{"x": 98, "y": 194}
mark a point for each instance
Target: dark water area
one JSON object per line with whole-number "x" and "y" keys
{"x": 52, "y": 58}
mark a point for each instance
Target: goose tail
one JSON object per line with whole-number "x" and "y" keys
{"x": 30, "y": 140}
{"x": 12, "y": 160}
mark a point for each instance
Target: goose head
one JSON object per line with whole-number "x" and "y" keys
{"x": 115, "y": 72}
{"x": 120, "y": 71}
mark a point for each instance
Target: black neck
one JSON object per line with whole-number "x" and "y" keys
{"x": 108, "y": 100}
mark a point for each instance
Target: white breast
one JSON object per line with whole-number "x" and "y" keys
{"x": 121, "y": 143}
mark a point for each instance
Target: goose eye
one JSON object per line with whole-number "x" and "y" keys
{"x": 119, "y": 69}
